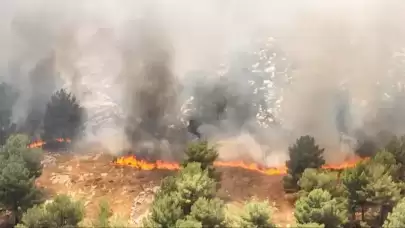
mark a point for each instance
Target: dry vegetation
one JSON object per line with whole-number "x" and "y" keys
{"x": 92, "y": 177}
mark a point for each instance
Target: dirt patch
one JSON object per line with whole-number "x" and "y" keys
{"x": 92, "y": 178}
{"x": 239, "y": 185}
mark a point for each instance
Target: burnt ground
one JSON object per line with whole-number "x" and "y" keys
{"x": 93, "y": 178}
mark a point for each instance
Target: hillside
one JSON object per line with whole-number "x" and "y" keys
{"x": 129, "y": 191}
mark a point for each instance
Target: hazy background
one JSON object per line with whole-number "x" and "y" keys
{"x": 333, "y": 69}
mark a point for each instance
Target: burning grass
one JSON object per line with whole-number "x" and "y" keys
{"x": 133, "y": 161}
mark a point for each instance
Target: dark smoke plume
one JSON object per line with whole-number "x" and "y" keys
{"x": 151, "y": 89}
{"x": 333, "y": 70}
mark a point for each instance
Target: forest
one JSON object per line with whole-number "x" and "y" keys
{"x": 371, "y": 194}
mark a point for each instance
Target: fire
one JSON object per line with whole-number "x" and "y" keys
{"x": 40, "y": 143}
{"x": 132, "y": 161}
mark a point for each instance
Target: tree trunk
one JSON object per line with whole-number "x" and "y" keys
{"x": 353, "y": 215}
{"x": 362, "y": 213}
{"x": 384, "y": 210}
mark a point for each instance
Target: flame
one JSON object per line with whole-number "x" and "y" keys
{"x": 132, "y": 161}
{"x": 40, "y": 143}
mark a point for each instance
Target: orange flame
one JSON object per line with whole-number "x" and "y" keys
{"x": 40, "y": 143}
{"x": 132, "y": 161}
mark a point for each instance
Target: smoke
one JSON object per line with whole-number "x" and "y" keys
{"x": 332, "y": 70}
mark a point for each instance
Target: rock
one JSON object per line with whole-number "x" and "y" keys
{"x": 69, "y": 168}
{"x": 104, "y": 174}
{"x": 155, "y": 189}
{"x": 143, "y": 197}
{"x": 48, "y": 160}
{"x": 61, "y": 179}
{"x": 98, "y": 179}
{"x": 96, "y": 157}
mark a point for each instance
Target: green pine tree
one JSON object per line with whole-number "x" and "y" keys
{"x": 61, "y": 212}
{"x": 315, "y": 178}
{"x": 396, "y": 218}
{"x": 397, "y": 147}
{"x": 188, "y": 223}
{"x": 310, "y": 225}
{"x": 389, "y": 161}
{"x": 257, "y": 215}
{"x": 165, "y": 211}
{"x": 319, "y": 207}
{"x": 193, "y": 183}
{"x": 65, "y": 211}
{"x": 381, "y": 190}
{"x": 37, "y": 217}
{"x": 17, "y": 187}
{"x": 63, "y": 117}
{"x": 209, "y": 212}
{"x": 204, "y": 154}
{"x": 16, "y": 148}
{"x": 355, "y": 180}
{"x": 303, "y": 154}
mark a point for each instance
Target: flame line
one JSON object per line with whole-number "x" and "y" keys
{"x": 40, "y": 143}
{"x": 132, "y": 161}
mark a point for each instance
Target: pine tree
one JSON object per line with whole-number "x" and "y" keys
{"x": 165, "y": 212}
{"x": 19, "y": 167}
{"x": 319, "y": 207}
{"x": 37, "y": 217}
{"x": 381, "y": 190}
{"x": 257, "y": 214}
{"x": 204, "y": 154}
{"x": 65, "y": 211}
{"x": 303, "y": 154}
{"x": 16, "y": 148}
{"x": 209, "y": 212}
{"x": 310, "y": 225}
{"x": 61, "y": 212}
{"x": 387, "y": 159}
{"x": 355, "y": 181}
{"x": 188, "y": 223}
{"x": 167, "y": 186}
{"x": 17, "y": 187}
{"x": 327, "y": 180}
{"x": 63, "y": 117}
{"x": 188, "y": 198}
{"x": 193, "y": 183}
{"x": 396, "y": 218}
{"x": 397, "y": 147}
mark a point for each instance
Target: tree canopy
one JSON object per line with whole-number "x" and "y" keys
{"x": 305, "y": 153}
{"x": 61, "y": 212}
{"x": 321, "y": 208}
{"x": 63, "y": 117}
{"x": 19, "y": 167}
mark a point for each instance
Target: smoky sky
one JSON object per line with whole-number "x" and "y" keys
{"x": 134, "y": 64}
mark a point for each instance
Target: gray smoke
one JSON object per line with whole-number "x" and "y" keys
{"x": 333, "y": 70}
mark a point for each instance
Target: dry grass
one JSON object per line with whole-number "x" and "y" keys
{"x": 92, "y": 177}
